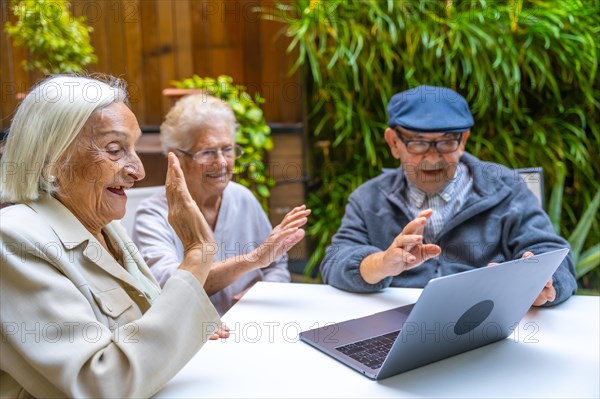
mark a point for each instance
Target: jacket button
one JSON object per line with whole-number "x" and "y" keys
{"x": 108, "y": 307}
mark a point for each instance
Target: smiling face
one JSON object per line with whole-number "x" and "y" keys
{"x": 206, "y": 180}
{"x": 431, "y": 171}
{"x": 100, "y": 164}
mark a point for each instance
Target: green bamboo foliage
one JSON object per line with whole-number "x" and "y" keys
{"x": 529, "y": 70}
{"x": 585, "y": 260}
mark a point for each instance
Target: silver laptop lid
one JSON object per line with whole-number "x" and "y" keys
{"x": 463, "y": 311}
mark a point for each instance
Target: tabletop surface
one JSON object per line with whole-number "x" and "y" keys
{"x": 555, "y": 352}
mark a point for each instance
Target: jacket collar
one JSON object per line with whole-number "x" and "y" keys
{"x": 66, "y": 226}
{"x": 486, "y": 177}
{"x": 72, "y": 233}
{"x": 488, "y": 187}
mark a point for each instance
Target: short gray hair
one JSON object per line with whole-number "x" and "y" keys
{"x": 46, "y": 123}
{"x": 194, "y": 111}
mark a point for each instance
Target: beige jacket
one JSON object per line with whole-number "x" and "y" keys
{"x": 75, "y": 323}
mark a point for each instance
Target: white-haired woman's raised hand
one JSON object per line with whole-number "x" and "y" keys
{"x": 189, "y": 223}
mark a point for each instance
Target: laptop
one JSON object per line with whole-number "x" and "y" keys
{"x": 454, "y": 314}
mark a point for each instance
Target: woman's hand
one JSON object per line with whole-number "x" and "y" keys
{"x": 222, "y": 333}
{"x": 283, "y": 237}
{"x": 199, "y": 246}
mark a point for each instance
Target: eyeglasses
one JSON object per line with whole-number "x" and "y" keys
{"x": 210, "y": 155}
{"x": 420, "y": 147}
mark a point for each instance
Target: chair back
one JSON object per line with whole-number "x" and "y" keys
{"x": 534, "y": 179}
{"x": 134, "y": 197}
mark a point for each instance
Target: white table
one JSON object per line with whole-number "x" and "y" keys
{"x": 555, "y": 352}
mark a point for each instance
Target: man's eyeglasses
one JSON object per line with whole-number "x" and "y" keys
{"x": 210, "y": 155}
{"x": 420, "y": 147}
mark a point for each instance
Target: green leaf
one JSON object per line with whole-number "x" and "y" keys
{"x": 258, "y": 140}
{"x": 237, "y": 107}
{"x": 556, "y": 198}
{"x": 263, "y": 190}
{"x": 588, "y": 261}
{"x": 577, "y": 239}
{"x": 254, "y": 114}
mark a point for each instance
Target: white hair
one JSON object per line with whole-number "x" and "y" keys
{"x": 46, "y": 123}
{"x": 190, "y": 115}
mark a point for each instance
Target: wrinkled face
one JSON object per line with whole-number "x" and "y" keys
{"x": 432, "y": 170}
{"x": 100, "y": 165}
{"x": 208, "y": 178}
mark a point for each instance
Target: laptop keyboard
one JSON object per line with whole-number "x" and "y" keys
{"x": 372, "y": 351}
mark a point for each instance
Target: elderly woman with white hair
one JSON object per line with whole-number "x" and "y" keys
{"x": 201, "y": 129}
{"x": 81, "y": 314}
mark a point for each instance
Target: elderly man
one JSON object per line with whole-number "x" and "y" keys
{"x": 442, "y": 212}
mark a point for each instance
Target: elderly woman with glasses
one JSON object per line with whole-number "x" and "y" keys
{"x": 443, "y": 211}
{"x": 200, "y": 129}
{"x": 80, "y": 312}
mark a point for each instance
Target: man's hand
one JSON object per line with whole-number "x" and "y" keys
{"x": 406, "y": 251}
{"x": 548, "y": 293}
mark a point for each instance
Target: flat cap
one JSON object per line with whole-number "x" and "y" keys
{"x": 430, "y": 109}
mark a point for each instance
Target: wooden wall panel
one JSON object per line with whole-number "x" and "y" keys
{"x": 8, "y": 80}
{"x": 152, "y": 42}
{"x": 166, "y": 44}
{"x": 132, "y": 37}
{"x": 182, "y": 24}
{"x": 151, "y": 52}
{"x": 115, "y": 32}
